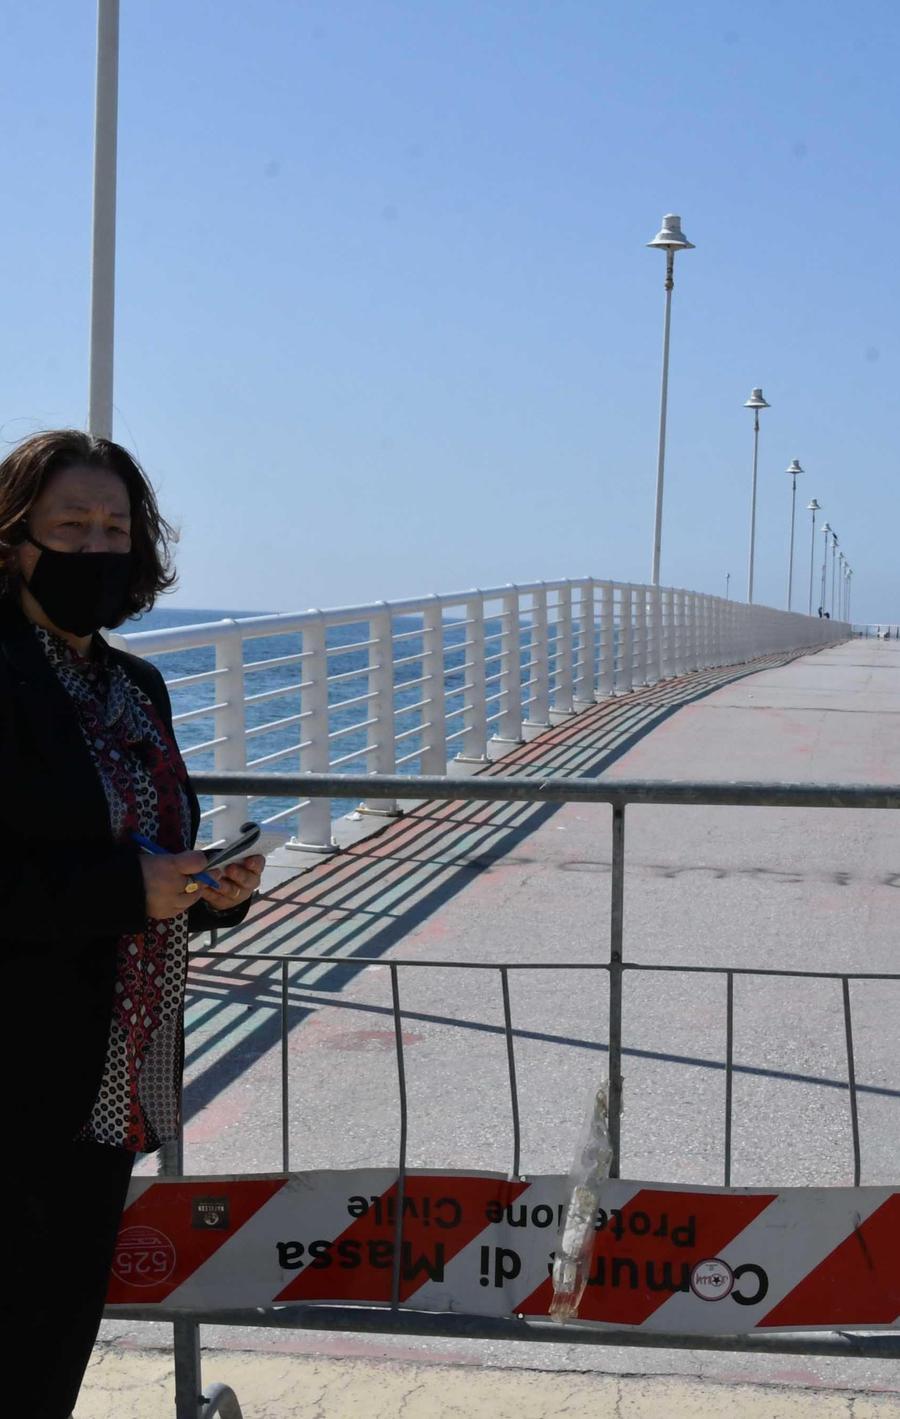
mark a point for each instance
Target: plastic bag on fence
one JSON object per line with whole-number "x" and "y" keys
{"x": 576, "y": 1239}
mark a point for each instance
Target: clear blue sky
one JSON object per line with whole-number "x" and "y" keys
{"x": 386, "y": 320}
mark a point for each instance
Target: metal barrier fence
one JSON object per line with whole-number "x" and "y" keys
{"x": 408, "y": 685}
{"x": 394, "y": 1316}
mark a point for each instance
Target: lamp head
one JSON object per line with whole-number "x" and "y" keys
{"x": 826, "y": 528}
{"x": 812, "y": 505}
{"x": 794, "y": 468}
{"x": 756, "y": 400}
{"x": 670, "y": 237}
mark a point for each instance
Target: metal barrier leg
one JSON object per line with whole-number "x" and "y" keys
{"x": 223, "y": 1401}
{"x": 190, "y": 1401}
{"x": 616, "y": 925}
{"x": 186, "y": 1350}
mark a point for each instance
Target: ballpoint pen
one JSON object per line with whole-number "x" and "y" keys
{"x": 157, "y": 851}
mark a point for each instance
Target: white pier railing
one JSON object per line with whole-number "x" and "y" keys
{"x": 411, "y": 685}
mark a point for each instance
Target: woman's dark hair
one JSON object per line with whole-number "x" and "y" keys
{"x": 25, "y": 473}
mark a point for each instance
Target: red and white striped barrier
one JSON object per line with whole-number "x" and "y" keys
{"x": 696, "y": 1261}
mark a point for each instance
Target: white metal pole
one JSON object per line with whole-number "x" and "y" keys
{"x": 586, "y": 676}
{"x": 753, "y": 505}
{"x": 663, "y": 400}
{"x": 812, "y": 555}
{"x": 791, "y": 556}
{"x": 103, "y": 260}
{"x": 833, "y": 567}
{"x": 381, "y": 757}
{"x": 434, "y": 750}
{"x": 826, "y": 532}
{"x": 607, "y": 681}
{"x": 314, "y": 822}
{"x": 230, "y": 721}
{"x": 563, "y": 689}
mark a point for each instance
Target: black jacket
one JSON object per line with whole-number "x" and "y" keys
{"x": 67, "y": 891}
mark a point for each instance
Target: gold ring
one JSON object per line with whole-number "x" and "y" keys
{"x": 192, "y": 887}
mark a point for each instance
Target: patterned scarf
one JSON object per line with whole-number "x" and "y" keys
{"x": 143, "y": 779}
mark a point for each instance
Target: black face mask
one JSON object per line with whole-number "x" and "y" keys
{"x": 81, "y": 591}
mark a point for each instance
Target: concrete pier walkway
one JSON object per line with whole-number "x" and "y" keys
{"x": 450, "y": 882}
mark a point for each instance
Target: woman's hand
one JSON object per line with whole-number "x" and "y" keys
{"x": 238, "y": 881}
{"x": 165, "y": 881}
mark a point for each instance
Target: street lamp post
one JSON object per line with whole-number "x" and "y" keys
{"x": 727, "y": 585}
{"x": 755, "y": 402}
{"x": 793, "y": 470}
{"x": 670, "y": 238}
{"x": 103, "y": 260}
{"x": 826, "y": 532}
{"x": 840, "y": 586}
{"x": 833, "y": 566}
{"x": 813, "y": 507}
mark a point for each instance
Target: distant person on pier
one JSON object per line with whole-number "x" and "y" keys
{"x": 93, "y": 932}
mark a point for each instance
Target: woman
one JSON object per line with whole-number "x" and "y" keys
{"x": 93, "y": 933}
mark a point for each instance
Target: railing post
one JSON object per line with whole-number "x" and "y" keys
{"x": 664, "y": 613}
{"x": 735, "y": 640}
{"x": 562, "y": 690}
{"x": 474, "y": 741}
{"x": 607, "y": 680}
{"x": 314, "y": 824}
{"x": 382, "y": 756}
{"x": 509, "y": 724}
{"x": 641, "y": 629}
{"x": 625, "y": 669}
{"x": 702, "y": 633}
{"x": 539, "y": 709}
{"x": 587, "y": 657}
{"x": 681, "y": 631}
{"x": 714, "y": 629}
{"x": 693, "y": 631}
{"x": 657, "y": 649}
{"x": 230, "y": 722}
{"x": 434, "y": 750}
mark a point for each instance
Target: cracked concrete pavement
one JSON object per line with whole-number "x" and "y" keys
{"x": 139, "y": 1384}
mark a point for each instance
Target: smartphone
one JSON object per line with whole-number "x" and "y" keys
{"x": 240, "y": 846}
